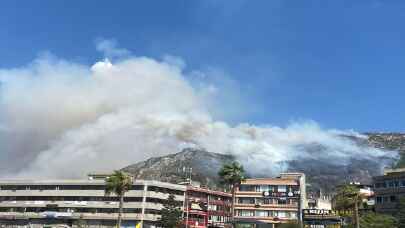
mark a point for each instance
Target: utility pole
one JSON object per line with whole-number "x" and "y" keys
{"x": 187, "y": 212}
{"x": 188, "y": 171}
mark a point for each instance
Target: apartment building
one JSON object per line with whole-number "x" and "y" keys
{"x": 388, "y": 189}
{"x": 270, "y": 200}
{"x": 207, "y": 208}
{"x": 71, "y": 202}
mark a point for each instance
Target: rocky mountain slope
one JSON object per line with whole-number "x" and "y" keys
{"x": 205, "y": 165}
{"x": 174, "y": 168}
{"x": 389, "y": 141}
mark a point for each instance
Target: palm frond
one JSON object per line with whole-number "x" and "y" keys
{"x": 118, "y": 183}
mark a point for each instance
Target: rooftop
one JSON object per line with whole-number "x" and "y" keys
{"x": 393, "y": 171}
{"x": 270, "y": 181}
{"x": 205, "y": 190}
{"x": 86, "y": 182}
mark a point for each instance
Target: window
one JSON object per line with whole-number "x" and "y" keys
{"x": 293, "y": 201}
{"x": 393, "y": 199}
{"x": 259, "y": 201}
{"x": 247, "y": 188}
{"x": 159, "y": 189}
{"x": 216, "y": 218}
{"x": 262, "y": 188}
{"x": 282, "y": 188}
{"x": 246, "y": 213}
{"x": 282, "y": 200}
{"x": 281, "y": 214}
{"x": 137, "y": 187}
{"x": 379, "y": 199}
{"x": 132, "y": 210}
{"x": 266, "y": 201}
{"x": 261, "y": 213}
{"x": 244, "y": 200}
{"x": 379, "y": 185}
{"x": 150, "y": 211}
{"x": 402, "y": 183}
{"x": 133, "y": 199}
{"x": 9, "y": 187}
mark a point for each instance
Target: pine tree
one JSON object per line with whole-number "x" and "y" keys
{"x": 171, "y": 213}
{"x": 401, "y": 213}
{"x": 373, "y": 220}
{"x": 348, "y": 197}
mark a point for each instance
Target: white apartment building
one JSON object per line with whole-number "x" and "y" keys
{"x": 73, "y": 203}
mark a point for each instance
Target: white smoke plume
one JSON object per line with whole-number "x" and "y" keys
{"x": 63, "y": 119}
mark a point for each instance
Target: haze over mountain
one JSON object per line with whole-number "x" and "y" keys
{"x": 323, "y": 175}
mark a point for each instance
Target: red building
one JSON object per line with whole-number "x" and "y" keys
{"x": 206, "y": 208}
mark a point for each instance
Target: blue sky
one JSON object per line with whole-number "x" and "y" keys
{"x": 340, "y": 63}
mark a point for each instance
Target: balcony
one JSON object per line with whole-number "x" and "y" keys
{"x": 266, "y": 218}
{"x": 253, "y": 205}
{"x": 64, "y": 215}
{"x": 160, "y": 195}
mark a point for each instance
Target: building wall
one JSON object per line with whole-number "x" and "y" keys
{"x": 207, "y": 208}
{"x": 388, "y": 189}
{"x": 70, "y": 201}
{"x": 324, "y": 203}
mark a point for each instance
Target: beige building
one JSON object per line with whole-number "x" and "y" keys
{"x": 71, "y": 202}
{"x": 270, "y": 200}
{"x": 388, "y": 190}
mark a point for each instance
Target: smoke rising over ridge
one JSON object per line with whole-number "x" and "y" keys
{"x": 63, "y": 119}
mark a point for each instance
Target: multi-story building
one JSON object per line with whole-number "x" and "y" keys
{"x": 73, "y": 202}
{"x": 388, "y": 189}
{"x": 271, "y": 200}
{"x": 207, "y": 208}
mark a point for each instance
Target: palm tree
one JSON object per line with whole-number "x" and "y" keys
{"x": 349, "y": 197}
{"x": 118, "y": 183}
{"x": 232, "y": 174}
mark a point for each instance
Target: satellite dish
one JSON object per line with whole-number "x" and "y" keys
{"x": 266, "y": 193}
{"x": 290, "y": 194}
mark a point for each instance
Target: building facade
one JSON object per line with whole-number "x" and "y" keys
{"x": 388, "y": 189}
{"x": 65, "y": 203}
{"x": 271, "y": 200}
{"x": 206, "y": 208}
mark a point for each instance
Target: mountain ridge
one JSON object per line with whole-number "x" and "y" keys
{"x": 320, "y": 176}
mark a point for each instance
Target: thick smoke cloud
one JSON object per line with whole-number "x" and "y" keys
{"x": 63, "y": 119}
